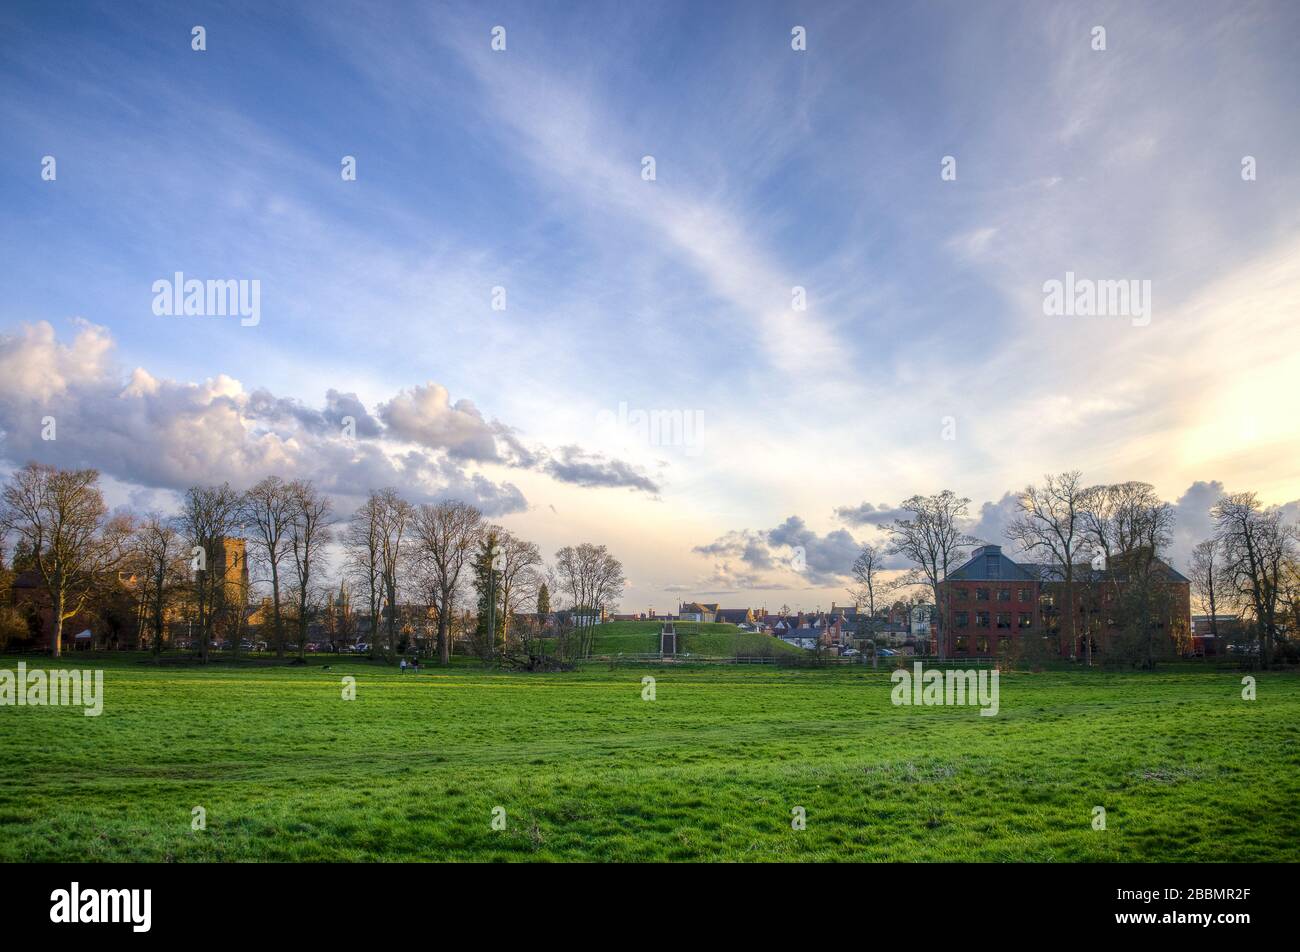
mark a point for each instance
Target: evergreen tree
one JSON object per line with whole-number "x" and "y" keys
{"x": 487, "y": 585}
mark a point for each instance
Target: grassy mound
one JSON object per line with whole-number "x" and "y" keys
{"x": 709, "y": 640}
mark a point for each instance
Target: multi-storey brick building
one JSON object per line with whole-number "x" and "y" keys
{"x": 987, "y": 603}
{"x": 991, "y": 602}
{"x": 1098, "y": 597}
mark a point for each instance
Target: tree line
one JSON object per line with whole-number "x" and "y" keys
{"x": 443, "y": 558}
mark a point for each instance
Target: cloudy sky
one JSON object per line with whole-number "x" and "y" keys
{"x": 923, "y": 358}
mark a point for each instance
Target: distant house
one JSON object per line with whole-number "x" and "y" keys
{"x": 1215, "y": 638}
{"x": 1228, "y": 626}
{"x": 894, "y": 632}
{"x": 698, "y": 612}
{"x": 802, "y": 637}
{"x": 920, "y": 620}
{"x": 736, "y": 616}
{"x": 780, "y": 625}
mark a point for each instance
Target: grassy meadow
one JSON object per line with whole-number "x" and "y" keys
{"x": 585, "y": 769}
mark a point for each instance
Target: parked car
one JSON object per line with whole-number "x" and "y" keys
{"x": 885, "y": 652}
{"x": 361, "y": 647}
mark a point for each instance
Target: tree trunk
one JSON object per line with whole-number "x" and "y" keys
{"x": 203, "y": 625}
{"x": 275, "y": 611}
{"x": 940, "y": 616}
{"x": 56, "y": 639}
{"x": 444, "y": 652}
{"x": 1074, "y": 624}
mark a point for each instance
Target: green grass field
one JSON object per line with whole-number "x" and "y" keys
{"x": 709, "y": 770}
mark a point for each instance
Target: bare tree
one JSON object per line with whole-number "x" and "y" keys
{"x": 592, "y": 579}
{"x": 361, "y": 548}
{"x": 1210, "y": 581}
{"x": 60, "y": 517}
{"x": 394, "y": 515}
{"x": 867, "y": 585}
{"x": 1256, "y": 546}
{"x": 210, "y": 515}
{"x": 1126, "y": 521}
{"x": 932, "y": 539}
{"x": 1291, "y": 591}
{"x": 445, "y": 538}
{"x": 1051, "y": 521}
{"x": 267, "y": 512}
{"x": 1128, "y": 526}
{"x": 159, "y": 557}
{"x": 518, "y": 577}
{"x": 309, "y": 533}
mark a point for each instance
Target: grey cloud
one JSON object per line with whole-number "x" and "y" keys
{"x": 868, "y": 514}
{"x": 586, "y": 469}
{"x": 828, "y": 558}
{"x": 990, "y": 524}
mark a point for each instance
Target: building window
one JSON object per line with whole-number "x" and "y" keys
{"x": 963, "y": 619}
{"x": 982, "y": 644}
{"x": 1024, "y": 595}
{"x": 1004, "y": 594}
{"x": 981, "y": 619}
{"x": 1026, "y": 620}
{"x": 962, "y": 594}
{"x": 1004, "y": 619}
{"x": 981, "y": 594}
{"x": 961, "y": 643}
{"x": 992, "y": 566}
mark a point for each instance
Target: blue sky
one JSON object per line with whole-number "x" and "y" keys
{"x": 774, "y": 168}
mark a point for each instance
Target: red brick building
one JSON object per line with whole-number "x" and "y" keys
{"x": 992, "y": 602}
{"x": 987, "y": 603}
